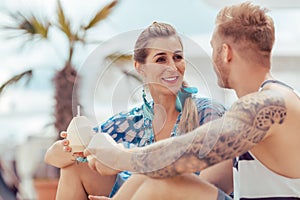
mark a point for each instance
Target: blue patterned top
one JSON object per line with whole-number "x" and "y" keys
{"x": 133, "y": 128}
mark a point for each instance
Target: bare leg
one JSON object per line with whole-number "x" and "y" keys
{"x": 130, "y": 186}
{"x": 187, "y": 186}
{"x": 78, "y": 180}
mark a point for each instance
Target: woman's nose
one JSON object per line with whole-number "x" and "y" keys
{"x": 172, "y": 65}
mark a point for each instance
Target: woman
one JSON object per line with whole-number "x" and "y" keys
{"x": 158, "y": 58}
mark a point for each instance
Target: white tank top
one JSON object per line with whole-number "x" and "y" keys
{"x": 253, "y": 180}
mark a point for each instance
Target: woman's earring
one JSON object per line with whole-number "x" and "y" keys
{"x": 148, "y": 109}
{"x": 184, "y": 93}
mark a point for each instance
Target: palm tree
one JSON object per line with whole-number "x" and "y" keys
{"x": 33, "y": 28}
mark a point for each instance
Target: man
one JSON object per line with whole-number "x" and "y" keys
{"x": 261, "y": 128}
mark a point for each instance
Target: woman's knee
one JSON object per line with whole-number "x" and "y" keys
{"x": 152, "y": 189}
{"x": 87, "y": 180}
{"x": 129, "y": 188}
{"x": 180, "y": 187}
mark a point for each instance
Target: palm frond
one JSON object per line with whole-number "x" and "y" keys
{"x": 63, "y": 22}
{"x": 15, "y": 79}
{"x": 30, "y": 26}
{"x": 39, "y": 27}
{"x": 102, "y": 14}
{"x": 119, "y": 57}
{"x": 133, "y": 75}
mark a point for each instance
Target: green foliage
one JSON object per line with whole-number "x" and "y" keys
{"x": 31, "y": 27}
{"x": 63, "y": 22}
{"x": 100, "y": 15}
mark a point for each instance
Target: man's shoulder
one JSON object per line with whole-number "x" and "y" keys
{"x": 267, "y": 99}
{"x": 262, "y": 108}
{"x": 261, "y": 99}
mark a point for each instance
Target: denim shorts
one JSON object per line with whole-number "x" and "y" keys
{"x": 223, "y": 196}
{"x": 121, "y": 178}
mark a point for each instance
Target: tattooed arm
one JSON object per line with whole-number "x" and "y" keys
{"x": 243, "y": 126}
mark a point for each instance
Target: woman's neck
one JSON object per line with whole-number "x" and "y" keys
{"x": 165, "y": 117}
{"x": 166, "y": 104}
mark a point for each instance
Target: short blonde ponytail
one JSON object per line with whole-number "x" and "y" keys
{"x": 189, "y": 115}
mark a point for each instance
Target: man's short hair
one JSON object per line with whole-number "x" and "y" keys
{"x": 247, "y": 23}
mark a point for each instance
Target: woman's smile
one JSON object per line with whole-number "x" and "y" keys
{"x": 170, "y": 79}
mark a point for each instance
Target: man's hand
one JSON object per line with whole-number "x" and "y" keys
{"x": 103, "y": 154}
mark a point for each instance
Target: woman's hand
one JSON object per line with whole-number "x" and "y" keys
{"x": 66, "y": 142}
{"x": 103, "y": 154}
{"x": 60, "y": 154}
{"x": 67, "y": 148}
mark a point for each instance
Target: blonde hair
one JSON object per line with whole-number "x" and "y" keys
{"x": 155, "y": 30}
{"x": 247, "y": 23}
{"x": 189, "y": 117}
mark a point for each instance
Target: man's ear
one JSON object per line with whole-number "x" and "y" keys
{"x": 139, "y": 68}
{"x": 227, "y": 53}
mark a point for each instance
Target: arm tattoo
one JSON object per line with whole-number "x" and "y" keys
{"x": 243, "y": 126}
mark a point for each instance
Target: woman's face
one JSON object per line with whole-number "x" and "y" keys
{"x": 164, "y": 67}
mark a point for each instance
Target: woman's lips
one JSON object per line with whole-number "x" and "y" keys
{"x": 172, "y": 79}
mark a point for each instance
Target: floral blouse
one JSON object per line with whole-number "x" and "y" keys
{"x": 133, "y": 128}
